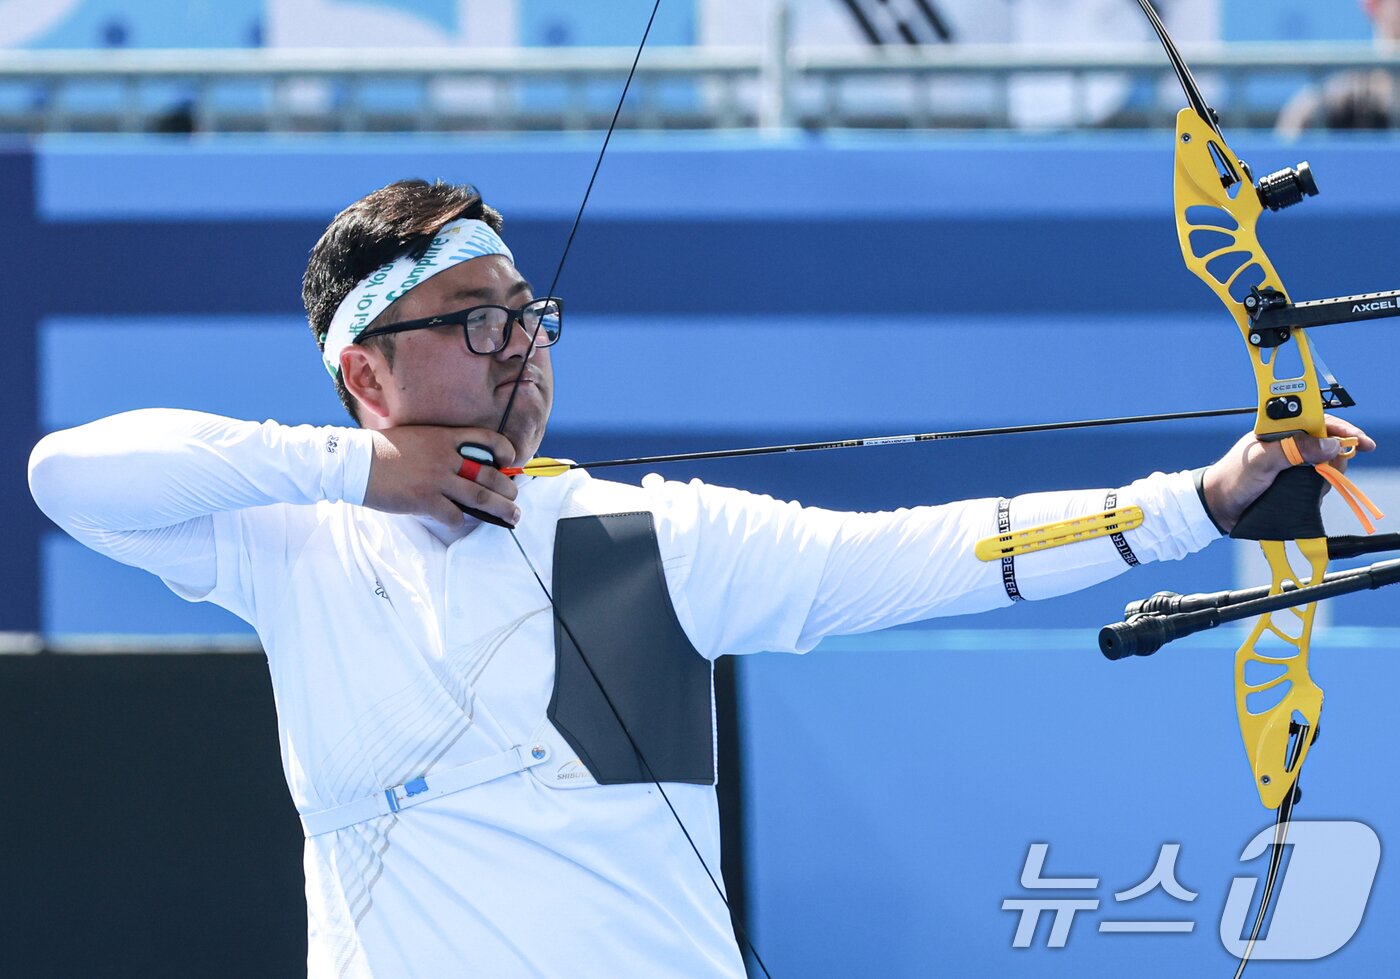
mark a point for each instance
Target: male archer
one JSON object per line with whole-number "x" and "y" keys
{"x": 479, "y": 755}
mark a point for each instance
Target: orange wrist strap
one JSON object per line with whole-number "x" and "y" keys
{"x": 1349, "y": 491}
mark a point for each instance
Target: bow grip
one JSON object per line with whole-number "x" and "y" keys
{"x": 1290, "y": 509}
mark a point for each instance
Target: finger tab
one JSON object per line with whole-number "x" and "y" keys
{"x": 1291, "y": 452}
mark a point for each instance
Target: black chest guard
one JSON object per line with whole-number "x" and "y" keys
{"x": 610, "y": 590}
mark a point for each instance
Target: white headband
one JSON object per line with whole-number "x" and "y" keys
{"x": 458, "y": 241}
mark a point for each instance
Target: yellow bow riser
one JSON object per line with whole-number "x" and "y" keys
{"x": 1216, "y": 228}
{"x": 1272, "y": 684}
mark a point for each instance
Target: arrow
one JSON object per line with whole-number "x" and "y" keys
{"x": 546, "y": 466}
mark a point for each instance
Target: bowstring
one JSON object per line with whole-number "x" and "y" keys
{"x": 578, "y": 217}
{"x": 646, "y": 766}
{"x": 539, "y": 580}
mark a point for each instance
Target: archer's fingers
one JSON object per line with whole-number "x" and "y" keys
{"x": 483, "y": 488}
{"x": 486, "y": 478}
{"x": 1332, "y": 449}
{"x": 1341, "y": 428}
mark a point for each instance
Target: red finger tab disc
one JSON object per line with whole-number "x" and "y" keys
{"x": 469, "y": 469}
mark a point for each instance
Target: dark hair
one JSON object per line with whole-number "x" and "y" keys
{"x": 379, "y": 227}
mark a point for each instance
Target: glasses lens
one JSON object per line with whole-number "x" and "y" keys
{"x": 543, "y": 319}
{"x": 485, "y": 328}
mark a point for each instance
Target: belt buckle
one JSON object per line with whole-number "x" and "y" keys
{"x": 408, "y": 789}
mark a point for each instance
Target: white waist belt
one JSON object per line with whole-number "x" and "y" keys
{"x": 424, "y": 788}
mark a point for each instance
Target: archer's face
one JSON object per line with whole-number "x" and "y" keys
{"x": 436, "y": 380}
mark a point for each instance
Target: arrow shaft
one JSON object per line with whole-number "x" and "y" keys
{"x": 966, "y": 433}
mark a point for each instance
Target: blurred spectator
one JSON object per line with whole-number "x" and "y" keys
{"x": 1362, "y": 99}
{"x": 178, "y": 119}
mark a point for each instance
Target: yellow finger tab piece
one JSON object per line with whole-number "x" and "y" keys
{"x": 1057, "y": 534}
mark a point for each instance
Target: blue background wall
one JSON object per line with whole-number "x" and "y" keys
{"x": 729, "y": 291}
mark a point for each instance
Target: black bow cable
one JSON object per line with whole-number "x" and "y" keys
{"x": 500, "y": 429}
{"x": 578, "y": 218}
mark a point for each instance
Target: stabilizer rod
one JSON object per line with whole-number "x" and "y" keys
{"x": 1338, "y": 548}
{"x": 1145, "y": 633}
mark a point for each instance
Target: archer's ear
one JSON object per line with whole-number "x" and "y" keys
{"x": 366, "y": 375}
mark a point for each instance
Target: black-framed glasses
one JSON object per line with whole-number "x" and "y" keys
{"x": 487, "y": 328}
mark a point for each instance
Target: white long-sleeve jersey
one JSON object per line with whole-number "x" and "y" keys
{"x": 398, "y": 649}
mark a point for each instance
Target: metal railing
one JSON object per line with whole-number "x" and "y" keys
{"x": 282, "y": 90}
